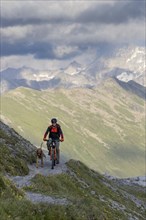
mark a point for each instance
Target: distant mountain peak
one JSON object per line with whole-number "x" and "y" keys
{"x": 75, "y": 64}
{"x": 127, "y": 64}
{"x": 73, "y": 68}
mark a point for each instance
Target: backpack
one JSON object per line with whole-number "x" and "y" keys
{"x": 54, "y": 129}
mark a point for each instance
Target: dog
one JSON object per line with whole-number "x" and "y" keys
{"x": 39, "y": 156}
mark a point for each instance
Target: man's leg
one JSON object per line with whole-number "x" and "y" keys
{"x": 57, "y": 151}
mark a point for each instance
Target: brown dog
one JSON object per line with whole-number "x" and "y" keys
{"x": 39, "y": 156}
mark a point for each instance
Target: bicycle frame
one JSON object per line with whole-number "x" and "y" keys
{"x": 53, "y": 152}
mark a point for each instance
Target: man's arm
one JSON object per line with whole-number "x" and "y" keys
{"x": 46, "y": 133}
{"x": 61, "y": 134}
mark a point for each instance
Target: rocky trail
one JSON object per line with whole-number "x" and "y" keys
{"x": 22, "y": 181}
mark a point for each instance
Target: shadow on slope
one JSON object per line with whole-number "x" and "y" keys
{"x": 133, "y": 87}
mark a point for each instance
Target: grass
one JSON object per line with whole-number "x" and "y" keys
{"x": 12, "y": 164}
{"x": 84, "y": 189}
{"x": 90, "y": 195}
{"x": 59, "y": 186}
{"x": 13, "y": 157}
{"x": 15, "y": 206}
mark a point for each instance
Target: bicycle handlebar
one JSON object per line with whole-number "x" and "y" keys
{"x": 52, "y": 140}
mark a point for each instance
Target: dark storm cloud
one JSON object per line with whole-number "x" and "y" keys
{"x": 102, "y": 48}
{"x": 40, "y": 50}
{"x": 10, "y": 22}
{"x": 55, "y": 33}
{"x": 120, "y": 12}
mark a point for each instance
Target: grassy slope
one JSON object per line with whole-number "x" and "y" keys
{"x": 15, "y": 206}
{"x": 14, "y": 158}
{"x": 103, "y": 128}
{"x": 90, "y": 196}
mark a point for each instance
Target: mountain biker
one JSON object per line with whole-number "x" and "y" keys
{"x": 55, "y": 133}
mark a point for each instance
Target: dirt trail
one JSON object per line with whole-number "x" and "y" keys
{"x": 21, "y": 181}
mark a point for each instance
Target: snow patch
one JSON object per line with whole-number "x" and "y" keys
{"x": 125, "y": 77}
{"x": 42, "y": 77}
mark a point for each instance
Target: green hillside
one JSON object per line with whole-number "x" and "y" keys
{"x": 89, "y": 196}
{"x": 84, "y": 194}
{"x": 104, "y": 128}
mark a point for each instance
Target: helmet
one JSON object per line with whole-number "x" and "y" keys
{"x": 53, "y": 120}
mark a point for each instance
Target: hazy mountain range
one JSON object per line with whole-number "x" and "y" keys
{"x": 126, "y": 65}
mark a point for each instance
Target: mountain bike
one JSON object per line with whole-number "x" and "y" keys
{"x": 53, "y": 152}
{"x": 53, "y": 157}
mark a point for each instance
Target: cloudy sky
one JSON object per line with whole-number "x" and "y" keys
{"x": 51, "y": 34}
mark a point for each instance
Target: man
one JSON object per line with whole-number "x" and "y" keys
{"x": 55, "y": 133}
